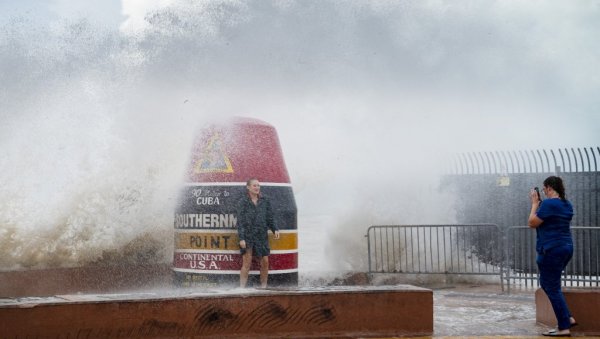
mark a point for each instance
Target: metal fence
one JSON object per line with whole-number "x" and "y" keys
{"x": 520, "y": 263}
{"x": 474, "y": 196}
{"x": 493, "y": 187}
{"x": 560, "y": 160}
{"x": 476, "y": 249}
{"x": 436, "y": 249}
{"x": 502, "y": 179}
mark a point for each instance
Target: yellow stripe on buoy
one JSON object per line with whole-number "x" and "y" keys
{"x": 230, "y": 241}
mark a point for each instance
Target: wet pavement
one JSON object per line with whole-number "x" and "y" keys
{"x": 486, "y": 312}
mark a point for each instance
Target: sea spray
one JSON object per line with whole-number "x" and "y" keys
{"x": 368, "y": 97}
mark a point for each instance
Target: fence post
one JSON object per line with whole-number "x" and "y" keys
{"x": 369, "y": 247}
{"x": 502, "y": 258}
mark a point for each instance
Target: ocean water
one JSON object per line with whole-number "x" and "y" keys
{"x": 98, "y": 111}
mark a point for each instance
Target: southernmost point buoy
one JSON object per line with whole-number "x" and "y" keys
{"x": 223, "y": 158}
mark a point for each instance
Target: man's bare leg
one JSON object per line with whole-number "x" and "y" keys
{"x": 246, "y": 261}
{"x": 264, "y": 271}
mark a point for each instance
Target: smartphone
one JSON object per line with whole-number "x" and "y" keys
{"x": 537, "y": 190}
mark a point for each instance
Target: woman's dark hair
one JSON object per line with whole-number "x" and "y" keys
{"x": 557, "y": 184}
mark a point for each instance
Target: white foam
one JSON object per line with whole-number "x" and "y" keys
{"x": 367, "y": 97}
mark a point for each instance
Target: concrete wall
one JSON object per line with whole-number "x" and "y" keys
{"x": 324, "y": 312}
{"x": 583, "y": 303}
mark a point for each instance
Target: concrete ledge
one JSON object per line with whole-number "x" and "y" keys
{"x": 91, "y": 279}
{"x": 584, "y": 303}
{"x": 319, "y": 312}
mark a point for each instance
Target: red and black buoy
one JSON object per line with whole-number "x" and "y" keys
{"x": 224, "y": 157}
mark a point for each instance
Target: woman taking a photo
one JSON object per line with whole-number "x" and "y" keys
{"x": 554, "y": 245}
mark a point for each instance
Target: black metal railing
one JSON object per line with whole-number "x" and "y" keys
{"x": 520, "y": 263}
{"x": 561, "y": 160}
{"x": 477, "y": 249}
{"x": 490, "y": 194}
{"x": 435, "y": 249}
{"x": 493, "y": 187}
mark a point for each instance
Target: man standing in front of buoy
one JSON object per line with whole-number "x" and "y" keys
{"x": 255, "y": 219}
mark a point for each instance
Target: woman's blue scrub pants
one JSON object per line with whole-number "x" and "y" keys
{"x": 551, "y": 264}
